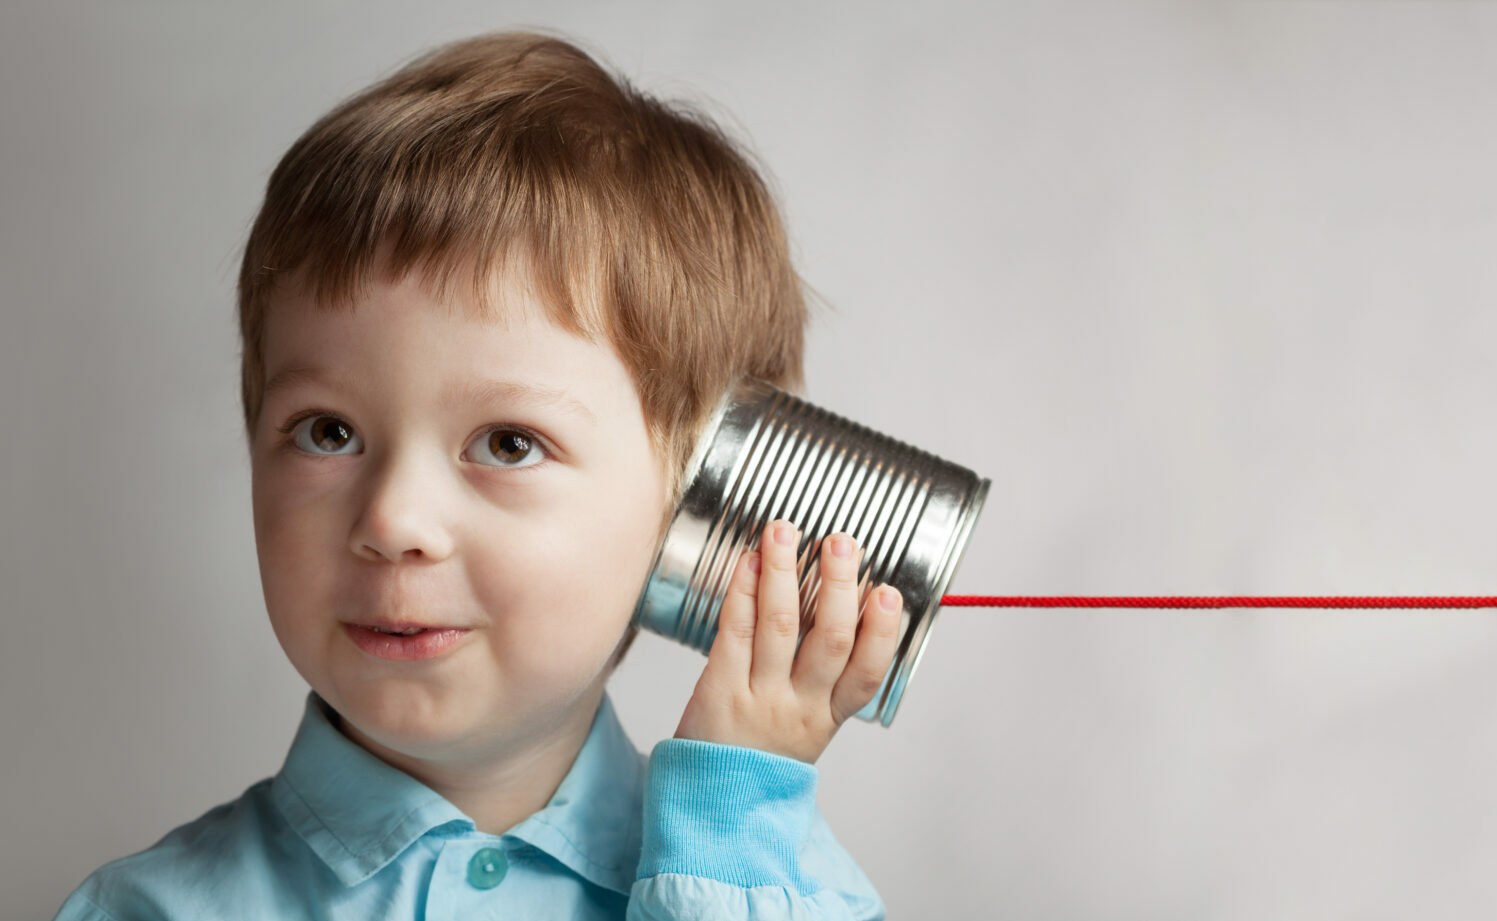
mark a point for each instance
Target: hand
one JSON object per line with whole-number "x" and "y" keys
{"x": 751, "y": 693}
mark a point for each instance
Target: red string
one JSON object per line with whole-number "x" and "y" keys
{"x": 1230, "y": 601}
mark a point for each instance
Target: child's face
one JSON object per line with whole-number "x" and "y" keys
{"x": 406, "y": 494}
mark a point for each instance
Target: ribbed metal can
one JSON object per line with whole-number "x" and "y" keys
{"x": 766, "y": 454}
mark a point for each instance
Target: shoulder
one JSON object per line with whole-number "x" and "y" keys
{"x": 225, "y": 857}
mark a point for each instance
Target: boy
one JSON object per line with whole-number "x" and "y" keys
{"x": 487, "y": 307}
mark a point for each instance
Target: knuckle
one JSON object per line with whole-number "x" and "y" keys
{"x": 845, "y": 586}
{"x": 866, "y": 682}
{"x": 784, "y": 628}
{"x": 782, "y": 559}
{"x": 814, "y": 723}
{"x": 837, "y": 642}
{"x": 782, "y": 623}
{"x": 741, "y": 704}
{"x": 736, "y": 628}
{"x": 838, "y": 573}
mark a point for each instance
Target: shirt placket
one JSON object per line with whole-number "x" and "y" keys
{"x": 469, "y": 880}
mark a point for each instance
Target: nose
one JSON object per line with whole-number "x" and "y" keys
{"x": 402, "y": 514}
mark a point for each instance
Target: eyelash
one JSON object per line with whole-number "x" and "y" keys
{"x": 294, "y": 421}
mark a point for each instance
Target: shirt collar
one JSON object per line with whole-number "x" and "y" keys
{"x": 358, "y": 813}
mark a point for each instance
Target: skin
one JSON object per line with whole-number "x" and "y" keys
{"x": 385, "y": 502}
{"x": 757, "y": 690}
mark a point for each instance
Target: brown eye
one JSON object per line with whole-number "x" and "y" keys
{"x": 329, "y": 434}
{"x": 509, "y": 445}
{"x": 512, "y": 448}
{"x": 324, "y": 435}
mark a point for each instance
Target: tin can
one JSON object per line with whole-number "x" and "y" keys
{"x": 765, "y": 454}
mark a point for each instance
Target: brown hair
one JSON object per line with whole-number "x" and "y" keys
{"x": 640, "y": 221}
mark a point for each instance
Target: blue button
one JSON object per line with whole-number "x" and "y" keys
{"x": 487, "y": 868}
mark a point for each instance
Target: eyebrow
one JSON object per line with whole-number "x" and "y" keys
{"x": 469, "y": 392}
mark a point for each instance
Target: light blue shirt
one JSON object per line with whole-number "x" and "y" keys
{"x": 699, "y": 830}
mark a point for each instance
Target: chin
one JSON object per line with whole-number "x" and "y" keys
{"x": 401, "y": 708}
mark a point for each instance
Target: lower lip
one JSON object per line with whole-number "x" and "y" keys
{"x": 424, "y": 645}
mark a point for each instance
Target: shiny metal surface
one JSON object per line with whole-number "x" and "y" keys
{"x": 767, "y": 454}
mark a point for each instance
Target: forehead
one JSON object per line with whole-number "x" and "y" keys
{"x": 402, "y": 332}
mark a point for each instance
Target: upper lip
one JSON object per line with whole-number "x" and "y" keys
{"x": 405, "y": 625}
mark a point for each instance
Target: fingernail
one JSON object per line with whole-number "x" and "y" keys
{"x": 888, "y": 598}
{"x": 839, "y": 546}
{"x": 754, "y": 562}
{"x": 783, "y": 533}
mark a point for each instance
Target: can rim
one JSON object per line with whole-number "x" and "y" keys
{"x": 955, "y": 550}
{"x": 730, "y": 397}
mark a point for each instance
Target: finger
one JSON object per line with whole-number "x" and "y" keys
{"x": 878, "y": 637}
{"x": 778, "y": 627}
{"x": 733, "y": 647}
{"x": 823, "y": 653}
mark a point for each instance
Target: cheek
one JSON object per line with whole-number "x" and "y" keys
{"x": 560, "y": 594}
{"x": 291, "y": 540}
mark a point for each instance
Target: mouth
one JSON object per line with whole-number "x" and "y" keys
{"x": 405, "y": 642}
{"x": 402, "y": 629}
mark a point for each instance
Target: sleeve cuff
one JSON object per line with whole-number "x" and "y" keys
{"x": 734, "y": 814}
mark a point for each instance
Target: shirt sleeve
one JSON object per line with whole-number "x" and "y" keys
{"x": 78, "y": 907}
{"x": 734, "y": 833}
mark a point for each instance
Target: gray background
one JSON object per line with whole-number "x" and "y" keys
{"x": 1205, "y": 289}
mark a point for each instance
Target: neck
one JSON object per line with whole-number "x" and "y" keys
{"x": 499, "y": 792}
